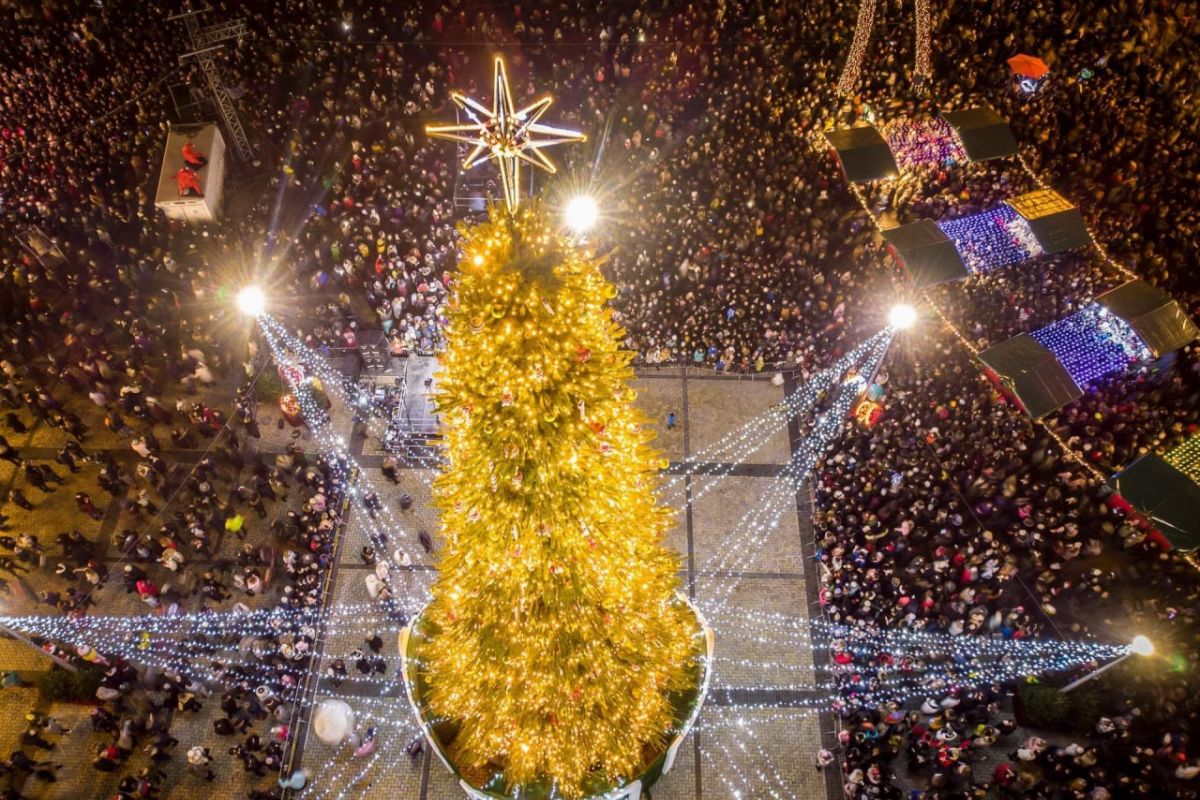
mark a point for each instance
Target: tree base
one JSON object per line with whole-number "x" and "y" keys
{"x": 438, "y": 734}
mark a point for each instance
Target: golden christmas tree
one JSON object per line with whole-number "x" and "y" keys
{"x": 555, "y": 645}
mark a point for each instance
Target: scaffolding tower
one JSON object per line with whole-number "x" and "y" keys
{"x": 205, "y": 44}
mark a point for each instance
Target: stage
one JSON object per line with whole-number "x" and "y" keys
{"x": 401, "y": 393}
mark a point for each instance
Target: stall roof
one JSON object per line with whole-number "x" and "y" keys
{"x": 1033, "y": 374}
{"x": 1152, "y": 313}
{"x": 864, "y": 153}
{"x": 983, "y": 132}
{"x": 1056, "y": 224}
{"x": 927, "y": 253}
{"x": 1165, "y": 496}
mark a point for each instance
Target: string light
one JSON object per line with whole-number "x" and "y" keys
{"x": 993, "y": 238}
{"x": 331, "y": 443}
{"x": 1100, "y": 249}
{"x": 737, "y": 447}
{"x": 915, "y": 141}
{"x": 923, "y": 68}
{"x": 1092, "y": 342}
{"x": 858, "y": 48}
{"x": 757, "y": 525}
{"x": 1186, "y": 458}
{"x": 292, "y": 350}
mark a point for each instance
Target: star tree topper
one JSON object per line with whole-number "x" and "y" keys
{"x": 505, "y": 134}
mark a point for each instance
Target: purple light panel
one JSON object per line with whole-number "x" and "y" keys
{"x": 1091, "y": 343}
{"x": 925, "y": 140}
{"x": 991, "y": 238}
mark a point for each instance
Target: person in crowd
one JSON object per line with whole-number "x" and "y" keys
{"x": 743, "y": 250}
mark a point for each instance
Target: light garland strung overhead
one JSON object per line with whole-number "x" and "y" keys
{"x": 352, "y": 395}
{"x": 738, "y": 445}
{"x": 758, "y": 524}
{"x": 858, "y": 47}
{"x": 922, "y": 69}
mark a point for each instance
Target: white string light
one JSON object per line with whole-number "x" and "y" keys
{"x": 757, "y": 525}
{"x": 923, "y": 69}
{"x": 858, "y": 47}
{"x": 351, "y": 394}
{"x": 737, "y": 446}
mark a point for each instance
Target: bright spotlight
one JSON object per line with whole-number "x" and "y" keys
{"x": 582, "y": 213}
{"x": 902, "y": 316}
{"x": 251, "y": 301}
{"x": 1142, "y": 646}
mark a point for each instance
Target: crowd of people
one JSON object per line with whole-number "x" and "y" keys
{"x": 959, "y": 514}
{"x": 740, "y": 248}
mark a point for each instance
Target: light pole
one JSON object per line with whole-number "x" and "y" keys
{"x": 1140, "y": 646}
{"x": 581, "y": 214}
{"x": 23, "y": 639}
{"x": 251, "y": 301}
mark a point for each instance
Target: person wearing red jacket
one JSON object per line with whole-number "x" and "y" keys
{"x": 189, "y": 184}
{"x": 193, "y": 157}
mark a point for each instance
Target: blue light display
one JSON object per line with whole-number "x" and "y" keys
{"x": 991, "y": 238}
{"x": 1092, "y": 342}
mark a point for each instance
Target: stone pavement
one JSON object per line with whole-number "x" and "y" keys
{"x": 56, "y": 512}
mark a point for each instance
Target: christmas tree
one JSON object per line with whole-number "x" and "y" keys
{"x": 555, "y": 642}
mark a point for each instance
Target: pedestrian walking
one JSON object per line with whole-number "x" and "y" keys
{"x": 83, "y": 501}
{"x": 33, "y": 737}
{"x": 198, "y": 761}
{"x": 67, "y": 459}
{"x": 18, "y": 498}
{"x": 8, "y": 452}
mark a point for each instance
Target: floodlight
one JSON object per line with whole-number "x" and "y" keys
{"x": 902, "y": 316}
{"x": 581, "y": 213}
{"x": 251, "y": 301}
{"x": 1141, "y": 646}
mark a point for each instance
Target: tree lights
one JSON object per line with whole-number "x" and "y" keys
{"x": 923, "y": 68}
{"x": 862, "y": 36}
{"x": 858, "y": 48}
{"x": 554, "y": 640}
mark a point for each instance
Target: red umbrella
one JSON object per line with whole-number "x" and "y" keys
{"x": 1028, "y": 66}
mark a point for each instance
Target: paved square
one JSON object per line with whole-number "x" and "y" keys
{"x": 737, "y": 528}
{"x": 741, "y": 547}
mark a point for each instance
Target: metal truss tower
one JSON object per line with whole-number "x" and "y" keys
{"x": 205, "y": 44}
